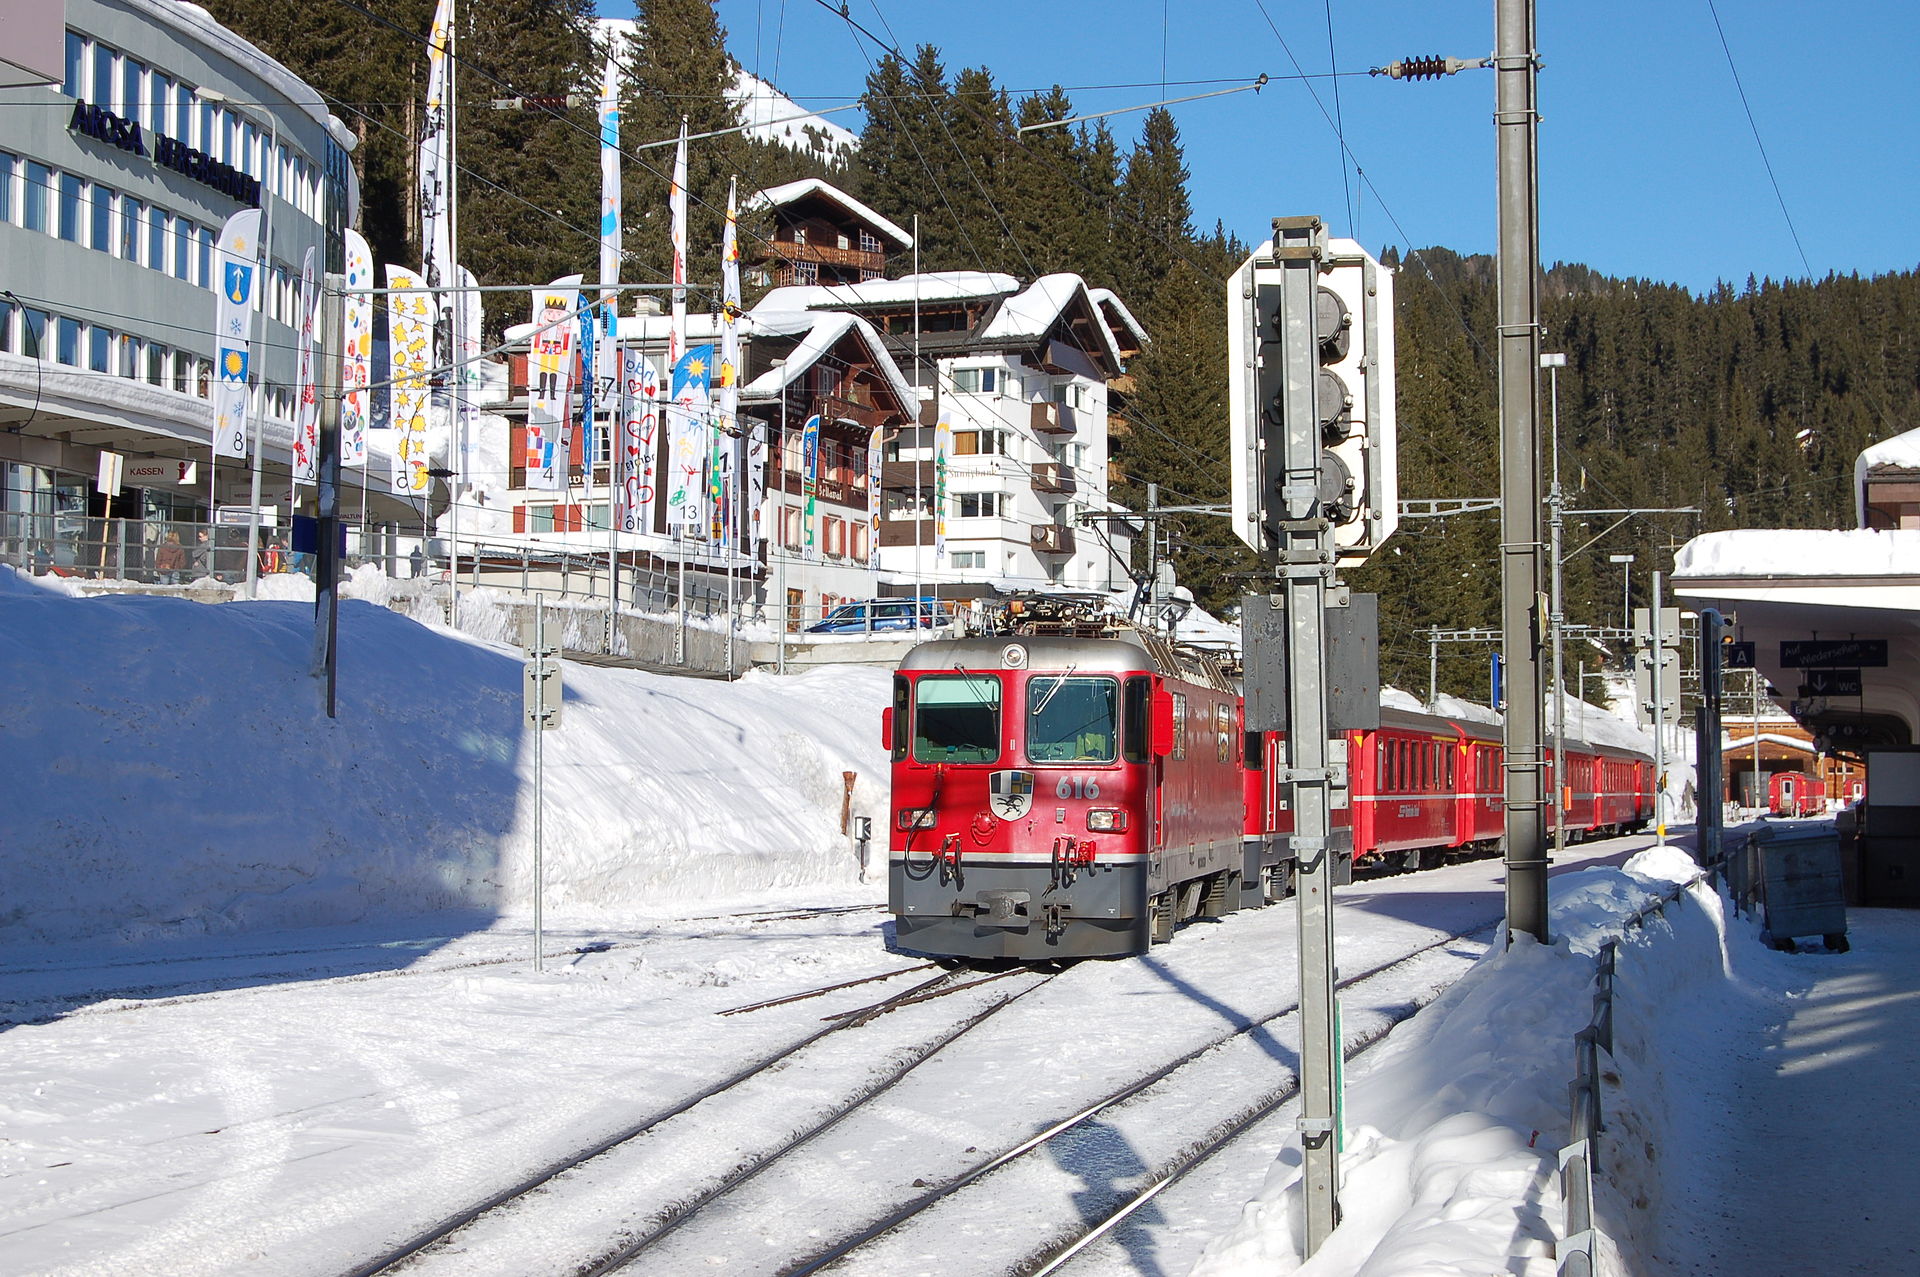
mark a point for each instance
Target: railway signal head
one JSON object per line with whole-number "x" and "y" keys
{"x": 1348, "y": 334}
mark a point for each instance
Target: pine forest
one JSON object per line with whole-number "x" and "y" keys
{"x": 1747, "y": 404}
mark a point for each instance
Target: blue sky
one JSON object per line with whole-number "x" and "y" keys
{"x": 1648, "y": 164}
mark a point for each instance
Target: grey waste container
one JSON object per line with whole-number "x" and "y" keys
{"x": 1796, "y": 876}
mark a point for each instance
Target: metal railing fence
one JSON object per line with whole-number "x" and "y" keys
{"x": 1579, "y": 1160}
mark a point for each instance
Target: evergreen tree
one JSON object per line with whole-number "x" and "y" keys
{"x": 680, "y": 70}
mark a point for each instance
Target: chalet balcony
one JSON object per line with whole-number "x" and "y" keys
{"x": 1052, "y": 538}
{"x": 828, "y": 255}
{"x": 1052, "y": 418}
{"x": 1053, "y": 478}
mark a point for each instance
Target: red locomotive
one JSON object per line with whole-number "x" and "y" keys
{"x": 1077, "y": 788}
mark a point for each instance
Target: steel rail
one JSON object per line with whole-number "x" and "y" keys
{"x": 633, "y": 1249}
{"x": 846, "y": 1246}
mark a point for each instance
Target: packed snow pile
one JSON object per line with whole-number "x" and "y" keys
{"x": 172, "y": 772}
{"x": 1453, "y": 1125}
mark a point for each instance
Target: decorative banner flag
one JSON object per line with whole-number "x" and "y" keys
{"x": 677, "y": 233}
{"x": 639, "y": 441}
{"x": 756, "y": 484}
{"x": 609, "y": 177}
{"x": 550, "y": 383}
{"x": 942, "y": 449}
{"x": 306, "y": 413}
{"x": 874, "y": 455}
{"x": 436, "y": 229}
{"x": 688, "y": 425}
{"x": 410, "y": 330}
{"x": 239, "y": 263}
{"x": 726, "y": 442}
{"x": 809, "y": 475}
{"x": 589, "y": 365}
{"x": 356, "y": 361}
{"x": 468, "y": 373}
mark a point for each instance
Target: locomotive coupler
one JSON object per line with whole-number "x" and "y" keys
{"x": 949, "y": 858}
{"x": 1070, "y": 856}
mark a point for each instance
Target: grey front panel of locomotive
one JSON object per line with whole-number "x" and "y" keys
{"x": 1000, "y": 911}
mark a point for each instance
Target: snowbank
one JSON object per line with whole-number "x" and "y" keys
{"x": 171, "y": 772}
{"x": 1792, "y": 552}
{"x": 1452, "y": 1124}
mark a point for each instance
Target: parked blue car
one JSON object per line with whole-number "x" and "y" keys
{"x": 880, "y": 615}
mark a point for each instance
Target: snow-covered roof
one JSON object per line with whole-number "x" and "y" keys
{"x": 824, "y": 331}
{"x": 1900, "y": 453}
{"x": 1028, "y": 316}
{"x": 936, "y": 286}
{"x": 1109, "y": 301}
{"x": 818, "y": 332}
{"x": 1799, "y": 552}
{"x": 200, "y": 25}
{"x": 789, "y": 192}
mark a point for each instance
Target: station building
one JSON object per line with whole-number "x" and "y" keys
{"x": 130, "y": 130}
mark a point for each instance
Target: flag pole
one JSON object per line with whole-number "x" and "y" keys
{"x": 456, "y": 316}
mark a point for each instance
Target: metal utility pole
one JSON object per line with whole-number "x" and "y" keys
{"x": 1711, "y": 819}
{"x": 1305, "y": 570}
{"x": 329, "y": 343}
{"x": 1659, "y": 713}
{"x": 1516, "y": 119}
{"x": 1556, "y": 502}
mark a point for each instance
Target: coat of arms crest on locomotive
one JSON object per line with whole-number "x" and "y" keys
{"x": 1012, "y": 793}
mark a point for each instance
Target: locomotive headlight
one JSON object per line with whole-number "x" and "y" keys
{"x": 1109, "y": 820}
{"x": 914, "y": 818}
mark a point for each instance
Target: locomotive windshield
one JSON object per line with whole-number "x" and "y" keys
{"x": 956, "y": 718}
{"x": 1071, "y": 720}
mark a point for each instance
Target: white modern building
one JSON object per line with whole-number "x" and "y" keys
{"x": 1017, "y": 384}
{"x": 130, "y": 130}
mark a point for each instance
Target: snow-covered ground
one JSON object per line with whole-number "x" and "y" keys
{"x": 267, "y": 1004}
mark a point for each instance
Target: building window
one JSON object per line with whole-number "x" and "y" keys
{"x": 76, "y": 64}
{"x": 790, "y": 527}
{"x": 33, "y": 333}
{"x": 66, "y": 341}
{"x": 156, "y": 364}
{"x": 806, "y": 272}
{"x": 868, "y": 242}
{"x": 834, "y": 536}
{"x": 978, "y": 505}
{"x": 969, "y": 559}
{"x": 183, "y": 249}
{"x": 129, "y": 361}
{"x": 539, "y": 518}
{"x": 862, "y": 547}
{"x": 6, "y": 187}
{"x": 206, "y": 257}
{"x": 133, "y": 90}
{"x": 132, "y": 215}
{"x": 99, "y": 349}
{"x": 33, "y": 199}
{"x": 976, "y": 381}
{"x": 156, "y": 238}
{"x": 102, "y": 219}
{"x": 102, "y": 86}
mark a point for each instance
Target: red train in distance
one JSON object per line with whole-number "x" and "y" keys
{"x": 1076, "y": 789}
{"x": 1795, "y": 794}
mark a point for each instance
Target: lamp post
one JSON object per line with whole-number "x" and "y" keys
{"x": 270, "y": 179}
{"x": 1553, "y": 363}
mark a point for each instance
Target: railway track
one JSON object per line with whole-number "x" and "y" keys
{"x": 502, "y": 1207}
{"x": 1050, "y": 1148}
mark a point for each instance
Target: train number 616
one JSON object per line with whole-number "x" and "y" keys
{"x": 1077, "y": 787}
